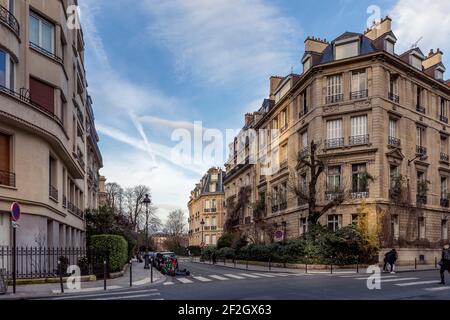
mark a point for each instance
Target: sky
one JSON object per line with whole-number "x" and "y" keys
{"x": 159, "y": 70}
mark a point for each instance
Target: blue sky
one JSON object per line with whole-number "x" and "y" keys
{"x": 154, "y": 66}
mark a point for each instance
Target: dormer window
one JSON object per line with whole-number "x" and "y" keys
{"x": 347, "y": 49}
{"x": 439, "y": 74}
{"x": 389, "y": 46}
{"x": 416, "y": 62}
{"x": 306, "y": 64}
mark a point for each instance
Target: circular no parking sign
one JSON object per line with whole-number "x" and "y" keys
{"x": 15, "y": 211}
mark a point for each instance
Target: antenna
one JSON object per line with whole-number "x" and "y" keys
{"x": 415, "y": 45}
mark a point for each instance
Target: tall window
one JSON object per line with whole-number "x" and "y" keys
{"x": 213, "y": 205}
{"x": 359, "y": 84}
{"x": 444, "y": 188}
{"x": 283, "y": 119}
{"x": 283, "y": 153}
{"x": 212, "y": 187}
{"x": 43, "y": 95}
{"x": 393, "y": 88}
{"x": 5, "y": 158}
{"x": 359, "y": 130}
{"x": 389, "y": 46}
{"x": 416, "y": 62}
{"x": 420, "y": 135}
{"x": 207, "y": 206}
{"x": 334, "y": 179}
{"x": 213, "y": 221}
{"x": 304, "y": 102}
{"x": 304, "y": 140}
{"x": 395, "y": 227}
{"x": 443, "y": 110}
{"x": 213, "y": 239}
{"x": 419, "y": 96}
{"x": 392, "y": 128}
{"x": 346, "y": 50}
{"x": 444, "y": 148}
{"x": 421, "y": 228}
{"x": 334, "y": 221}
{"x": 334, "y": 133}
{"x": 42, "y": 33}
{"x": 303, "y": 226}
{"x": 334, "y": 88}
{"x": 359, "y": 178}
{"x": 7, "y": 72}
{"x": 444, "y": 230}
{"x": 393, "y": 175}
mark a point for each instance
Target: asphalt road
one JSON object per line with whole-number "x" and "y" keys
{"x": 208, "y": 282}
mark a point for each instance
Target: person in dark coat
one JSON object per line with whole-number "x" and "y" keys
{"x": 390, "y": 257}
{"x": 445, "y": 262}
{"x": 214, "y": 257}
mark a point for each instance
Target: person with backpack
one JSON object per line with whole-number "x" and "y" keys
{"x": 390, "y": 257}
{"x": 445, "y": 262}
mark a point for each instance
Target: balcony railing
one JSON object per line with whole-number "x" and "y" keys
{"x": 64, "y": 201}
{"x": 360, "y": 194}
{"x": 275, "y": 208}
{"x": 334, "y": 98}
{"x": 7, "y": 178}
{"x": 334, "y": 143}
{"x": 420, "y": 109}
{"x": 444, "y": 157}
{"x": 359, "y": 94}
{"x": 45, "y": 52}
{"x": 53, "y": 192}
{"x": 207, "y": 228}
{"x": 213, "y": 209}
{"x": 331, "y": 195}
{"x": 394, "y": 142}
{"x": 283, "y": 206}
{"x": 443, "y": 119}
{"x": 213, "y": 228}
{"x": 421, "y": 198}
{"x": 207, "y": 210}
{"x": 70, "y": 206}
{"x": 304, "y": 152}
{"x": 355, "y": 140}
{"x": 393, "y": 97}
{"x": 10, "y": 20}
{"x": 444, "y": 202}
{"x": 422, "y": 151}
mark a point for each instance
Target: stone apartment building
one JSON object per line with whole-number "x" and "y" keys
{"x": 373, "y": 112}
{"x": 49, "y": 157}
{"x": 206, "y": 205}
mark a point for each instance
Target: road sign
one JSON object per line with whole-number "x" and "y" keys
{"x": 15, "y": 211}
{"x": 15, "y": 224}
{"x": 279, "y": 234}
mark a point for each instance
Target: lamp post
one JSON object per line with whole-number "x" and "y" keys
{"x": 202, "y": 223}
{"x": 146, "y": 201}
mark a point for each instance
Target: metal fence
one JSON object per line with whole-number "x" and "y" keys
{"x": 39, "y": 262}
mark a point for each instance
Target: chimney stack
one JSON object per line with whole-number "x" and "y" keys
{"x": 248, "y": 118}
{"x": 433, "y": 58}
{"x": 316, "y": 45}
{"x": 378, "y": 29}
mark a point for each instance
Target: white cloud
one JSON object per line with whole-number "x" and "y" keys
{"x": 430, "y": 19}
{"x": 219, "y": 41}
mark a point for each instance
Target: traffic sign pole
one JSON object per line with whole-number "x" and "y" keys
{"x": 15, "y": 216}
{"x": 14, "y": 260}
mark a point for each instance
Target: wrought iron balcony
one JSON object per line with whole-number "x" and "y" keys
{"x": 207, "y": 228}
{"x": 64, "y": 201}
{"x": 444, "y": 157}
{"x": 45, "y": 52}
{"x": 444, "y": 202}
{"x": 360, "y": 194}
{"x": 207, "y": 210}
{"x": 53, "y": 192}
{"x": 275, "y": 208}
{"x": 420, "y": 109}
{"x": 394, "y": 142}
{"x": 422, "y": 151}
{"x": 356, "y": 140}
{"x": 213, "y": 209}
{"x": 304, "y": 152}
{"x": 213, "y": 227}
{"x": 7, "y": 18}
{"x": 331, "y": 195}
{"x": 359, "y": 94}
{"x": 334, "y": 98}
{"x": 393, "y": 97}
{"x": 421, "y": 198}
{"x": 443, "y": 119}
{"x": 7, "y": 178}
{"x": 334, "y": 143}
{"x": 283, "y": 206}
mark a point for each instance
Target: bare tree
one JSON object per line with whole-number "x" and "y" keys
{"x": 133, "y": 198}
{"x": 176, "y": 223}
{"x": 150, "y": 223}
{"x": 308, "y": 192}
{"x": 113, "y": 191}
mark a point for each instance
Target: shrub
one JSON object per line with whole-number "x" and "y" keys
{"x": 207, "y": 252}
{"x": 83, "y": 264}
{"x": 226, "y": 253}
{"x": 195, "y": 250}
{"x": 226, "y": 240}
{"x": 113, "y": 246}
{"x": 64, "y": 265}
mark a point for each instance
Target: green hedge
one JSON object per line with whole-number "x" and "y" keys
{"x": 320, "y": 246}
{"x": 116, "y": 247}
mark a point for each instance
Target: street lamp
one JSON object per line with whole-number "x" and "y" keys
{"x": 202, "y": 223}
{"x": 146, "y": 201}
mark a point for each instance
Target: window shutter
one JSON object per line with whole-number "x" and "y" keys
{"x": 43, "y": 95}
{"x": 4, "y": 152}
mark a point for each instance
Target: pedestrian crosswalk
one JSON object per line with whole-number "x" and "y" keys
{"x": 411, "y": 281}
{"x": 226, "y": 277}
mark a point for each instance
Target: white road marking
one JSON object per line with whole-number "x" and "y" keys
{"x": 218, "y": 277}
{"x": 87, "y": 289}
{"x": 233, "y": 276}
{"x": 202, "y": 279}
{"x": 249, "y": 275}
{"x": 415, "y": 283}
{"x": 168, "y": 283}
{"x": 382, "y": 277}
{"x": 102, "y": 294}
{"x": 399, "y": 279}
{"x": 437, "y": 288}
{"x": 263, "y": 275}
{"x": 142, "y": 282}
{"x": 129, "y": 297}
{"x": 280, "y": 274}
{"x": 184, "y": 280}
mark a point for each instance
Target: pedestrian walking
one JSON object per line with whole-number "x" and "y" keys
{"x": 390, "y": 257}
{"x": 214, "y": 258}
{"x": 445, "y": 262}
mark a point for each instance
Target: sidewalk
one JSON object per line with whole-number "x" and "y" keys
{"x": 141, "y": 277}
{"x": 311, "y": 269}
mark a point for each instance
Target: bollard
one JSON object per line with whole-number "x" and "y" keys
{"x": 415, "y": 263}
{"x": 60, "y": 276}
{"x": 306, "y": 264}
{"x": 357, "y": 265}
{"x": 269, "y": 264}
{"x": 131, "y": 273}
{"x": 246, "y": 265}
{"x": 331, "y": 265}
{"x": 104, "y": 275}
{"x": 151, "y": 272}
{"x": 435, "y": 262}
